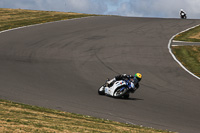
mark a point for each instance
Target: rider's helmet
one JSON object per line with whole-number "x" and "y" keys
{"x": 138, "y": 76}
{"x": 182, "y": 11}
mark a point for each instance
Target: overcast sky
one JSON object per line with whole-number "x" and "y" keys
{"x": 135, "y": 8}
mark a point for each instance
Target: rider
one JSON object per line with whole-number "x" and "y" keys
{"x": 182, "y": 12}
{"x": 134, "y": 79}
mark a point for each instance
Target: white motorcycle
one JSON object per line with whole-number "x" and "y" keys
{"x": 120, "y": 89}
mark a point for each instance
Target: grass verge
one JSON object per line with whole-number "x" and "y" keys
{"x": 12, "y": 18}
{"x": 16, "y": 117}
{"x": 192, "y": 35}
{"x": 189, "y": 56}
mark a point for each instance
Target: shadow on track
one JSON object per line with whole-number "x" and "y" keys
{"x": 134, "y": 99}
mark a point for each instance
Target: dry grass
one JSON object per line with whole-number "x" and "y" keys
{"x": 192, "y": 35}
{"x": 16, "y": 117}
{"x": 196, "y": 36}
{"x": 12, "y": 18}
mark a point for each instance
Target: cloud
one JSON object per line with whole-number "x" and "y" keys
{"x": 159, "y": 8}
{"x": 82, "y": 6}
{"x": 137, "y": 8}
{"x": 86, "y": 6}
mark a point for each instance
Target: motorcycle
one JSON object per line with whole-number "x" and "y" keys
{"x": 183, "y": 15}
{"x": 120, "y": 89}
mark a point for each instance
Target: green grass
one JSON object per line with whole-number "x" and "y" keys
{"x": 15, "y": 117}
{"x": 189, "y": 56}
{"x": 191, "y": 35}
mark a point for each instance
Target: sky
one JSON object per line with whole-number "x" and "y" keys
{"x": 131, "y": 8}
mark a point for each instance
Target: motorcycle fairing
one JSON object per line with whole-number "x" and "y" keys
{"x": 110, "y": 91}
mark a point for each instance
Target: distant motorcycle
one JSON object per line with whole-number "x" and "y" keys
{"x": 120, "y": 89}
{"x": 183, "y": 15}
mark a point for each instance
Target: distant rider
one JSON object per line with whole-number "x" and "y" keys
{"x": 182, "y": 14}
{"x": 134, "y": 79}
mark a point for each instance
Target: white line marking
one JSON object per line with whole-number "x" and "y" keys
{"x": 177, "y": 45}
{"x": 183, "y": 41}
{"x": 170, "y": 51}
{"x": 176, "y": 41}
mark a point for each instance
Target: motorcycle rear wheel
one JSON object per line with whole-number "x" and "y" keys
{"x": 126, "y": 96}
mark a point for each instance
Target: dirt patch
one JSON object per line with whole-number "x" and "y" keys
{"x": 196, "y": 36}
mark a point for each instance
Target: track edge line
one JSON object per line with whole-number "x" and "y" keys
{"x": 174, "y": 57}
{"x": 43, "y": 24}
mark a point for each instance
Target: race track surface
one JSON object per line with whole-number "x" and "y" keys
{"x": 61, "y": 66}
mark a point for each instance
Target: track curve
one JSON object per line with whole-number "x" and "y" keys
{"x": 61, "y": 65}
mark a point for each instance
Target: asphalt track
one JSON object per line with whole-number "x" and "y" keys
{"x": 61, "y": 66}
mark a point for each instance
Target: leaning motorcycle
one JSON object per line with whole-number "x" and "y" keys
{"x": 120, "y": 89}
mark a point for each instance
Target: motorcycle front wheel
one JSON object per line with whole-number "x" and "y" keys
{"x": 101, "y": 90}
{"x": 120, "y": 92}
